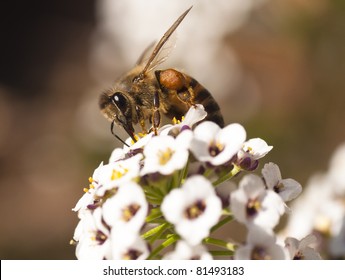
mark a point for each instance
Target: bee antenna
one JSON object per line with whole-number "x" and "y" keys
{"x": 116, "y": 136}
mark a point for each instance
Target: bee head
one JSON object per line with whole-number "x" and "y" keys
{"x": 117, "y": 108}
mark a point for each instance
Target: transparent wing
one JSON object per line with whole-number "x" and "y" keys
{"x": 163, "y": 48}
{"x": 159, "y": 57}
{"x": 144, "y": 57}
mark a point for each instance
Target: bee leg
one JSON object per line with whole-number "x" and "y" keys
{"x": 175, "y": 82}
{"x": 141, "y": 120}
{"x": 156, "y": 116}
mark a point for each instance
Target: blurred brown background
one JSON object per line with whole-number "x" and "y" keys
{"x": 293, "y": 50}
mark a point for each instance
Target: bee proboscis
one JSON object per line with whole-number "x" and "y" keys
{"x": 144, "y": 93}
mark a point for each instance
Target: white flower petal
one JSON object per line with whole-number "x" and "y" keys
{"x": 128, "y": 246}
{"x": 118, "y": 210}
{"x": 183, "y": 251}
{"x": 206, "y": 131}
{"x": 215, "y": 145}
{"x": 271, "y": 174}
{"x": 291, "y": 189}
{"x": 196, "y": 190}
{"x": 255, "y": 148}
{"x": 261, "y": 244}
{"x": 252, "y": 204}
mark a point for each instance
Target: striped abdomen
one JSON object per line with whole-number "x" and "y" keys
{"x": 182, "y": 91}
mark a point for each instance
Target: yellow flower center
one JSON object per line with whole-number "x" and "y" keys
{"x": 253, "y": 207}
{"x": 129, "y": 212}
{"x": 215, "y": 148}
{"x": 195, "y": 210}
{"x": 249, "y": 150}
{"x": 259, "y": 253}
{"x": 118, "y": 173}
{"x": 131, "y": 255}
{"x": 165, "y": 156}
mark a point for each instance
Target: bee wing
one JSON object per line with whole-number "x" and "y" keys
{"x": 163, "y": 48}
{"x": 144, "y": 57}
{"x": 160, "y": 57}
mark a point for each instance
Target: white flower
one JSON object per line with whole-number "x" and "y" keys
{"x": 337, "y": 170}
{"x": 165, "y": 154}
{"x": 140, "y": 144}
{"x": 89, "y": 196}
{"x": 252, "y": 150}
{"x": 255, "y": 148}
{"x": 301, "y": 250}
{"x": 126, "y": 246}
{"x": 251, "y": 203}
{"x": 316, "y": 209}
{"x": 127, "y": 209}
{"x": 337, "y": 243}
{"x": 194, "y": 115}
{"x": 215, "y": 145}
{"x": 193, "y": 209}
{"x": 92, "y": 237}
{"x": 183, "y": 251}
{"x": 117, "y": 154}
{"x": 261, "y": 245}
{"x": 117, "y": 173}
{"x": 288, "y": 189}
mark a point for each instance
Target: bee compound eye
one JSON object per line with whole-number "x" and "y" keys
{"x": 119, "y": 100}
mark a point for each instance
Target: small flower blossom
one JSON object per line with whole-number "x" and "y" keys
{"x": 252, "y": 204}
{"x": 260, "y": 245}
{"x": 92, "y": 237}
{"x": 183, "y": 251}
{"x": 118, "y": 172}
{"x": 126, "y": 246}
{"x": 252, "y": 150}
{"x": 117, "y": 154}
{"x": 139, "y": 145}
{"x": 165, "y": 154}
{"x": 89, "y": 195}
{"x": 215, "y": 145}
{"x": 301, "y": 250}
{"x": 288, "y": 189}
{"x": 127, "y": 209}
{"x": 193, "y": 209}
{"x": 194, "y": 115}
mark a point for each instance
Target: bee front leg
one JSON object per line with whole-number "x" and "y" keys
{"x": 156, "y": 116}
{"x": 141, "y": 119}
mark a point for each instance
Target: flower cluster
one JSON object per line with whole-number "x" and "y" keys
{"x": 164, "y": 196}
{"x": 321, "y": 209}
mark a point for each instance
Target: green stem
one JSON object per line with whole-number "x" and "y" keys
{"x": 154, "y": 214}
{"x": 220, "y": 243}
{"x": 183, "y": 174}
{"x": 155, "y": 230}
{"x": 171, "y": 240}
{"x": 207, "y": 172}
{"x": 228, "y": 176}
{"x": 222, "y": 223}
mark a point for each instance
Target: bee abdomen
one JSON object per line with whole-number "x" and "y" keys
{"x": 190, "y": 92}
{"x": 204, "y": 97}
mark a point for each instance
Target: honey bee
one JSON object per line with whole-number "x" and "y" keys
{"x": 144, "y": 93}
